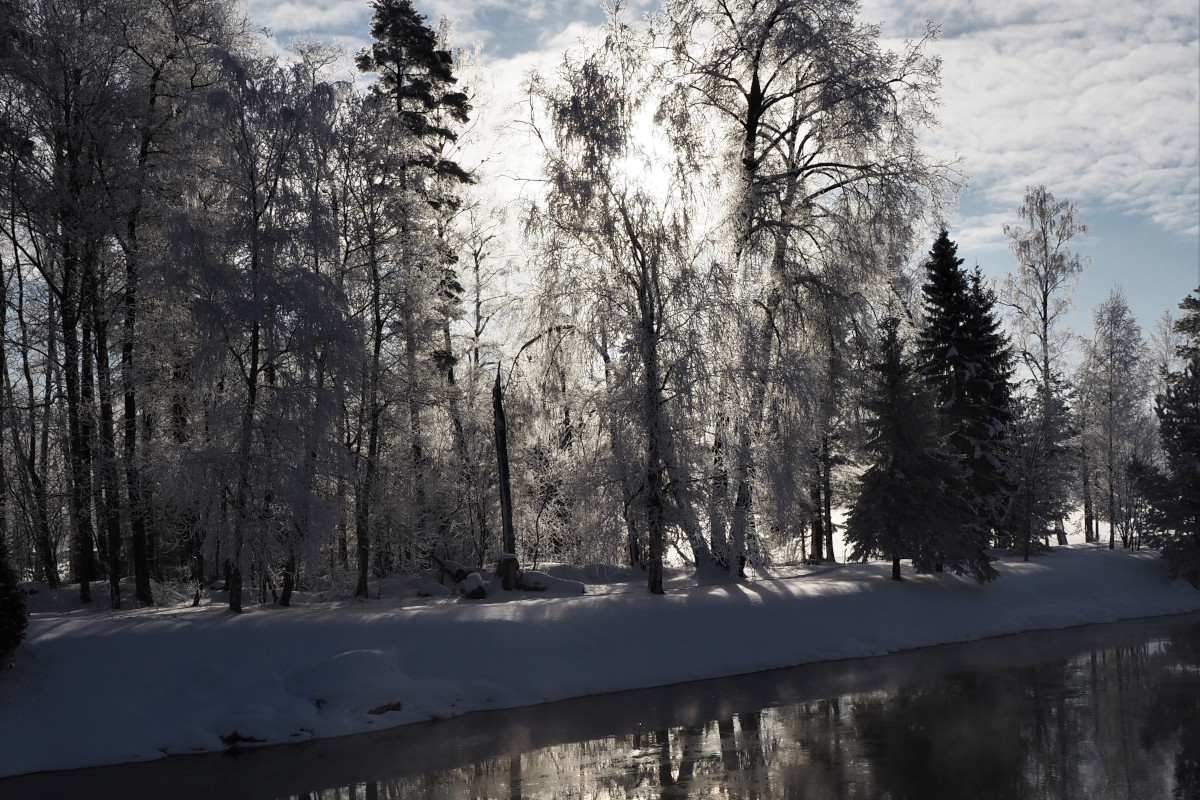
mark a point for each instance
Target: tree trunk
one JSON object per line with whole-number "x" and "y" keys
{"x": 415, "y": 429}
{"x": 134, "y": 490}
{"x": 110, "y": 483}
{"x": 468, "y": 477}
{"x": 827, "y": 492}
{"x": 373, "y": 409}
{"x": 817, "y": 554}
{"x": 508, "y": 536}
{"x": 77, "y": 374}
{"x": 38, "y": 469}
{"x": 655, "y": 428}
{"x": 242, "y": 494}
{"x": 718, "y": 499}
{"x": 289, "y": 579}
{"x": 1090, "y": 533}
{"x": 757, "y": 361}
{"x": 633, "y": 538}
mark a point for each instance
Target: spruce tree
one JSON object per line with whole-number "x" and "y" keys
{"x": 12, "y": 610}
{"x": 910, "y": 502}
{"x": 417, "y": 79}
{"x": 965, "y": 357}
{"x": 1036, "y": 451}
{"x": 1173, "y": 493}
{"x": 417, "y": 85}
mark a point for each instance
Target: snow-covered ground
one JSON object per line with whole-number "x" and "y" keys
{"x": 93, "y": 688}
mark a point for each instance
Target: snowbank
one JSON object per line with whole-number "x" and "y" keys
{"x": 91, "y": 689}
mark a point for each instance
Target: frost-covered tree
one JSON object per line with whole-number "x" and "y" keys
{"x": 964, "y": 355}
{"x": 910, "y": 501}
{"x": 1039, "y": 292}
{"x": 271, "y": 330}
{"x": 618, "y": 266}
{"x": 1038, "y": 295}
{"x": 1113, "y": 384}
{"x": 416, "y": 84}
{"x": 811, "y": 129}
{"x": 62, "y": 70}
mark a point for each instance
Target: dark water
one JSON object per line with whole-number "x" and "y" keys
{"x": 1108, "y": 711}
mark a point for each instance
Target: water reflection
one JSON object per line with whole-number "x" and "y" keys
{"x": 1105, "y": 712}
{"x": 1120, "y": 722}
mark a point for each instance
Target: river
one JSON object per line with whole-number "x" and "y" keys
{"x": 1098, "y": 712}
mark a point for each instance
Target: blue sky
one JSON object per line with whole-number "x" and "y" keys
{"x": 1097, "y": 99}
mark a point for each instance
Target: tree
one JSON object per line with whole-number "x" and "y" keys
{"x": 964, "y": 356}
{"x": 64, "y": 68}
{"x": 910, "y": 502}
{"x": 1113, "y": 383}
{"x": 271, "y": 330}
{"x": 416, "y": 81}
{"x": 1038, "y": 294}
{"x": 1037, "y": 453}
{"x": 13, "y": 618}
{"x": 619, "y": 266}
{"x": 818, "y": 181}
{"x": 1173, "y": 491}
{"x": 172, "y": 51}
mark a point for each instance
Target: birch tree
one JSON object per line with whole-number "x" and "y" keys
{"x": 1038, "y": 295}
{"x": 1114, "y": 380}
{"x": 816, "y": 139}
{"x": 617, "y": 262}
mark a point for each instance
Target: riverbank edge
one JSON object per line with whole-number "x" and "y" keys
{"x": 531, "y": 652}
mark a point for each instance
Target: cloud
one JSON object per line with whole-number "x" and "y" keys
{"x": 1097, "y": 99}
{"x": 316, "y": 16}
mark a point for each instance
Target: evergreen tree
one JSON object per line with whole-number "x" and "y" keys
{"x": 1037, "y": 452}
{"x": 1188, "y": 327}
{"x": 964, "y": 356}
{"x": 1174, "y": 493}
{"x": 910, "y": 503}
{"x": 416, "y": 82}
{"x": 417, "y": 78}
{"x": 12, "y": 610}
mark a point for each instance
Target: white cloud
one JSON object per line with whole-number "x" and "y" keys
{"x": 302, "y": 16}
{"x": 1097, "y": 100}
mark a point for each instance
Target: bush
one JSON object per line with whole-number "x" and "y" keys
{"x": 12, "y": 611}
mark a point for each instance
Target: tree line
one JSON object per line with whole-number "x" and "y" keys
{"x": 258, "y": 322}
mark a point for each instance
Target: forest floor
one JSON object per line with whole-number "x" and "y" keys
{"x": 94, "y": 687}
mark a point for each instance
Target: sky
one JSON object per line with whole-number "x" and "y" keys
{"x": 1099, "y": 100}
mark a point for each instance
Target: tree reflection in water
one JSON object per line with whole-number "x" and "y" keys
{"x": 1117, "y": 723}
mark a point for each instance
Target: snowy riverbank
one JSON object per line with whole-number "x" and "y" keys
{"x": 99, "y": 688}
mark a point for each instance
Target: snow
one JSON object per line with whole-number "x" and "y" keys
{"x": 183, "y": 679}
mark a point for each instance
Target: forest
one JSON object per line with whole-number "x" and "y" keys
{"x": 266, "y": 325}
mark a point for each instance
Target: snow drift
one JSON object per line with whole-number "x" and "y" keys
{"x": 155, "y": 682}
